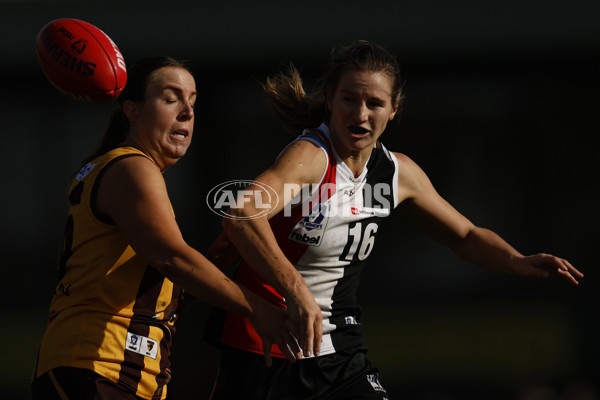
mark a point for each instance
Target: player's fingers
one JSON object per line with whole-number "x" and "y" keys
{"x": 318, "y": 337}
{"x": 309, "y": 337}
{"x": 288, "y": 345}
{"x": 288, "y": 353}
{"x": 267, "y": 352}
{"x": 572, "y": 269}
{"x": 569, "y": 272}
{"x": 568, "y": 276}
{"x": 302, "y": 333}
{"x": 291, "y": 340}
{"x": 292, "y": 327}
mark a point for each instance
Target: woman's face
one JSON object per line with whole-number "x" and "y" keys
{"x": 360, "y": 108}
{"x": 162, "y": 125}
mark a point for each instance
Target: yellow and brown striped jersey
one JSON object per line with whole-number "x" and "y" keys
{"x": 111, "y": 312}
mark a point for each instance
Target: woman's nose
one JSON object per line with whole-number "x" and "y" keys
{"x": 187, "y": 113}
{"x": 361, "y": 112}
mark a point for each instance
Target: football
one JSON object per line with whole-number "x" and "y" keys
{"x": 81, "y": 61}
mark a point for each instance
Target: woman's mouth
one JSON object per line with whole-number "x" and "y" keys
{"x": 180, "y": 134}
{"x": 357, "y": 130}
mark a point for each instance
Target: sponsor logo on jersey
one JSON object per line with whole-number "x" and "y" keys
{"x": 373, "y": 212}
{"x": 142, "y": 345}
{"x": 305, "y": 238}
{"x": 225, "y": 198}
{"x": 86, "y": 169}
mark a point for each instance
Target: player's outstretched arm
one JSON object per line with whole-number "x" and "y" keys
{"x": 429, "y": 211}
{"x": 488, "y": 249}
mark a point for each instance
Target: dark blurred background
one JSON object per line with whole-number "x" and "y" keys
{"x": 501, "y": 110}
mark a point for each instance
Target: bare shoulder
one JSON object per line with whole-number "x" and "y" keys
{"x": 402, "y": 158}
{"x": 301, "y": 161}
{"x": 302, "y": 149}
{"x": 406, "y": 165}
{"x": 411, "y": 178}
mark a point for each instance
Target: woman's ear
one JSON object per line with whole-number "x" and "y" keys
{"x": 131, "y": 110}
{"x": 394, "y": 111}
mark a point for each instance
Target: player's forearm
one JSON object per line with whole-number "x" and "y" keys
{"x": 486, "y": 248}
{"x": 257, "y": 244}
{"x": 198, "y": 276}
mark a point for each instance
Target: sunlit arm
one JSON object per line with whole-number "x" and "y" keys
{"x": 133, "y": 194}
{"x": 302, "y": 162}
{"x": 435, "y": 216}
{"x": 484, "y": 247}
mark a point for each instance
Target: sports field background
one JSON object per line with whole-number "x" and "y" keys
{"x": 501, "y": 111}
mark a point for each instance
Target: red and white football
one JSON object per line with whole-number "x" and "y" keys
{"x": 81, "y": 61}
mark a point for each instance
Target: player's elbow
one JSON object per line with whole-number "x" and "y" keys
{"x": 167, "y": 260}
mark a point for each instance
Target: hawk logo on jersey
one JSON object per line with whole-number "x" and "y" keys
{"x": 309, "y": 229}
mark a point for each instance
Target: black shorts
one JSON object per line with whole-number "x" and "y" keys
{"x": 345, "y": 375}
{"x": 67, "y": 383}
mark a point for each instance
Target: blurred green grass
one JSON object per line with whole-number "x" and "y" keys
{"x": 493, "y": 344}
{"x": 497, "y": 344}
{"x": 21, "y": 338}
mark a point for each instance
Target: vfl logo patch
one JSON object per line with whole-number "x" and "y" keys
{"x": 309, "y": 229}
{"x": 374, "y": 381}
{"x": 87, "y": 168}
{"x": 315, "y": 219}
{"x": 142, "y": 345}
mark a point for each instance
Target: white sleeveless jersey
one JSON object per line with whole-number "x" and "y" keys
{"x": 327, "y": 233}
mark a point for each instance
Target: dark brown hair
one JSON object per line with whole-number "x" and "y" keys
{"x": 297, "y": 109}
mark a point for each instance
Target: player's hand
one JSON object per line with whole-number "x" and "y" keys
{"x": 544, "y": 265}
{"x": 307, "y": 318}
{"x": 273, "y": 325}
